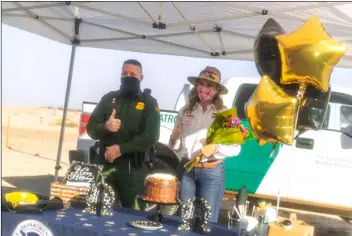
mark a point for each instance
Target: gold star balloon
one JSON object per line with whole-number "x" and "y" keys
{"x": 309, "y": 55}
{"x": 272, "y": 113}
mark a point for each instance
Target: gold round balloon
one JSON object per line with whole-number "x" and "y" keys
{"x": 272, "y": 113}
{"x": 21, "y": 198}
{"x": 309, "y": 55}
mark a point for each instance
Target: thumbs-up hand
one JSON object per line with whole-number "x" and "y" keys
{"x": 176, "y": 132}
{"x": 113, "y": 125}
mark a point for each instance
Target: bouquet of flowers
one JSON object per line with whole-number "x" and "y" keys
{"x": 226, "y": 128}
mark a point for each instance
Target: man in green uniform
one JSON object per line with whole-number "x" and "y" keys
{"x": 127, "y": 123}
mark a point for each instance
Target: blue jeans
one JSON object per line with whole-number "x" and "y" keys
{"x": 207, "y": 183}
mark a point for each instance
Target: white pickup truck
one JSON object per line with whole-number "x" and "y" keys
{"x": 314, "y": 173}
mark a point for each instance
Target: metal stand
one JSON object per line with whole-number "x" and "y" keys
{"x": 158, "y": 216}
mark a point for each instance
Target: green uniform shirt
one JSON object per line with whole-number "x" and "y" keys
{"x": 140, "y": 122}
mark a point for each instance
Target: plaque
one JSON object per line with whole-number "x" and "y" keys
{"x": 195, "y": 214}
{"x": 100, "y": 198}
{"x": 82, "y": 174}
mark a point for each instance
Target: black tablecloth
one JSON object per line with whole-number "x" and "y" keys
{"x": 72, "y": 221}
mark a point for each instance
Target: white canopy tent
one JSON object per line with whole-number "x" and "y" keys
{"x": 222, "y": 30}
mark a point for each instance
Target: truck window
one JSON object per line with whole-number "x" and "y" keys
{"x": 327, "y": 118}
{"x": 345, "y": 105}
{"x": 346, "y": 119}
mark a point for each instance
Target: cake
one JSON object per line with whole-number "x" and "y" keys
{"x": 161, "y": 188}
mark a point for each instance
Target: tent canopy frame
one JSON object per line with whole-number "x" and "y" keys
{"x": 159, "y": 24}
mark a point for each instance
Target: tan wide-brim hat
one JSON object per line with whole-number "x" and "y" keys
{"x": 211, "y": 74}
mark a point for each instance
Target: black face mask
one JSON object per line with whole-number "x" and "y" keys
{"x": 130, "y": 86}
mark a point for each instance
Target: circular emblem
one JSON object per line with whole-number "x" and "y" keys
{"x": 31, "y": 228}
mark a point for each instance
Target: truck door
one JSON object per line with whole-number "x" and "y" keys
{"x": 321, "y": 164}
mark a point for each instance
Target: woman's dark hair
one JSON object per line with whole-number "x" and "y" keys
{"x": 193, "y": 99}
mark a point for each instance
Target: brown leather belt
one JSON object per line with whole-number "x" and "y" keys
{"x": 208, "y": 165}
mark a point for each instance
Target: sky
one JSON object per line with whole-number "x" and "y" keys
{"x": 35, "y": 71}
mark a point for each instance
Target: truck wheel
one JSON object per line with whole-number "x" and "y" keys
{"x": 161, "y": 166}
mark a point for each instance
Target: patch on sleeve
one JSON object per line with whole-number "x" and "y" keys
{"x": 157, "y": 108}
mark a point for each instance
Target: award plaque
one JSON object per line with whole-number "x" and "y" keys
{"x": 195, "y": 214}
{"x": 100, "y": 198}
{"x": 82, "y": 174}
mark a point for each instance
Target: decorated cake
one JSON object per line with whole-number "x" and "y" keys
{"x": 161, "y": 188}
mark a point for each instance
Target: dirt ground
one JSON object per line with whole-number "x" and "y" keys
{"x": 29, "y": 150}
{"x": 29, "y": 145}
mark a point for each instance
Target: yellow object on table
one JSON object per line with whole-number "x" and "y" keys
{"x": 21, "y": 198}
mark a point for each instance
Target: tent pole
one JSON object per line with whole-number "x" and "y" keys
{"x": 64, "y": 116}
{"x": 75, "y": 42}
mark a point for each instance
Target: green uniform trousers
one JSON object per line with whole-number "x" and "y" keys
{"x": 126, "y": 181}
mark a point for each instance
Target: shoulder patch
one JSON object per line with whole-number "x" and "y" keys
{"x": 157, "y": 108}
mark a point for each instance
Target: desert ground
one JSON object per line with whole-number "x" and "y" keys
{"x": 29, "y": 150}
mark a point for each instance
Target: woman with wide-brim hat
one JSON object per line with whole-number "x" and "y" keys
{"x": 206, "y": 180}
